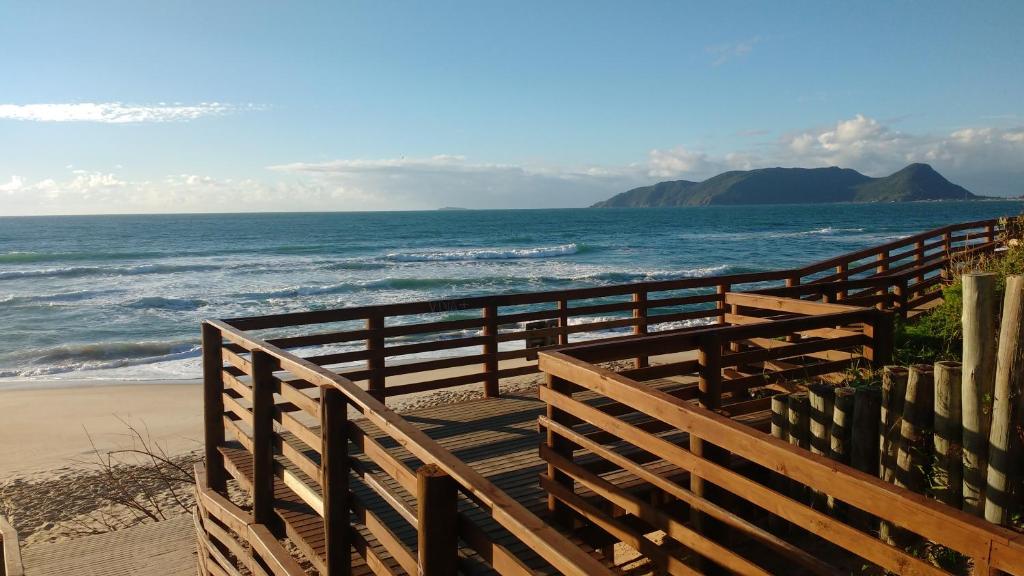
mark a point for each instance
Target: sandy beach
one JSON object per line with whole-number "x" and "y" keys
{"x": 58, "y": 436}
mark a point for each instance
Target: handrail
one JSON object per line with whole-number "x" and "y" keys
{"x": 10, "y": 550}
{"x": 991, "y": 547}
{"x": 547, "y": 542}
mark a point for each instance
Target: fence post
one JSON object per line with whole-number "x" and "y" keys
{"x": 334, "y": 471}
{"x": 437, "y": 512}
{"x": 640, "y": 328}
{"x": 709, "y": 356}
{"x": 978, "y": 369}
{"x": 562, "y": 446}
{"x": 563, "y": 322}
{"x": 841, "y": 270}
{"x": 919, "y": 259}
{"x": 947, "y": 243}
{"x": 262, "y": 437}
{"x": 213, "y": 407}
{"x": 879, "y": 351}
{"x": 948, "y": 433}
{"x": 375, "y": 362}
{"x": 491, "y": 351}
{"x": 902, "y": 299}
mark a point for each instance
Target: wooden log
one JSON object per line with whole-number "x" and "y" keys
{"x": 894, "y": 389}
{"x": 841, "y": 432}
{"x": 820, "y": 398}
{"x": 798, "y": 427}
{"x": 780, "y": 430}
{"x": 213, "y": 407}
{"x": 912, "y": 456}
{"x": 978, "y": 373}
{"x": 438, "y": 518}
{"x": 334, "y": 468}
{"x": 867, "y": 405}
{"x": 1009, "y": 382}
{"x": 946, "y": 474}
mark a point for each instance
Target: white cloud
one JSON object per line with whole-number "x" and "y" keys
{"x": 117, "y": 112}
{"x": 722, "y": 53}
{"x": 448, "y": 180}
{"x": 986, "y": 160}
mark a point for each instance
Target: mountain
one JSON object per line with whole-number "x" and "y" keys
{"x": 794, "y": 186}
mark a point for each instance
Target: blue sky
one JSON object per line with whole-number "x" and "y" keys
{"x": 216, "y": 106}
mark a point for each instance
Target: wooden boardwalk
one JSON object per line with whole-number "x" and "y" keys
{"x": 165, "y": 548}
{"x": 498, "y": 437}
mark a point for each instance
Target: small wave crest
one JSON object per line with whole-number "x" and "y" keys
{"x": 161, "y": 303}
{"x": 81, "y": 271}
{"x": 82, "y": 357}
{"x": 485, "y": 254}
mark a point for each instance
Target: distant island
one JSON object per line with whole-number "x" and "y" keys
{"x": 794, "y": 186}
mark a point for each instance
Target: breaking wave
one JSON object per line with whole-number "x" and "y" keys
{"x": 485, "y": 254}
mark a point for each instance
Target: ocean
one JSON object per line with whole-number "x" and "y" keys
{"x": 100, "y": 298}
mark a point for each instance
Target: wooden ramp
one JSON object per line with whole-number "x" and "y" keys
{"x": 498, "y": 437}
{"x": 166, "y": 548}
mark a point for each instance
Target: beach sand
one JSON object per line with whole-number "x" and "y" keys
{"x": 53, "y": 436}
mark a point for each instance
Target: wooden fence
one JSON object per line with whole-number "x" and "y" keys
{"x": 700, "y": 471}
{"x": 308, "y": 461}
{"x": 482, "y": 338}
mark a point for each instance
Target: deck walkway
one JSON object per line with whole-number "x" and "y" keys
{"x": 165, "y": 548}
{"x": 498, "y": 437}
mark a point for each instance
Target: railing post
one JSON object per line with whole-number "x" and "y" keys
{"x": 563, "y": 321}
{"x": 375, "y": 362}
{"x": 709, "y": 356}
{"x": 902, "y": 297}
{"x": 919, "y": 259}
{"x": 720, "y": 291}
{"x": 334, "y": 471}
{"x": 562, "y": 446}
{"x": 879, "y": 351}
{"x": 213, "y": 407}
{"x": 437, "y": 512}
{"x": 490, "y": 314}
{"x": 640, "y": 328}
{"x": 947, "y": 243}
{"x": 262, "y": 437}
{"x": 841, "y": 271}
{"x": 990, "y": 233}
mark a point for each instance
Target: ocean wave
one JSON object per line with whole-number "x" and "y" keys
{"x": 99, "y": 356}
{"x": 161, "y": 303}
{"x": 485, "y": 254}
{"x": 82, "y": 271}
{"x": 74, "y": 296}
{"x": 19, "y": 257}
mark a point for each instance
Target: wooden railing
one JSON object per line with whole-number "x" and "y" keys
{"x": 481, "y": 338}
{"x": 10, "y": 551}
{"x": 314, "y": 440}
{"x": 693, "y": 470}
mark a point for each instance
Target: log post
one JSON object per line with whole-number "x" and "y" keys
{"x": 798, "y": 424}
{"x": 979, "y": 365}
{"x": 841, "y": 431}
{"x": 213, "y": 407}
{"x": 490, "y": 314}
{"x": 375, "y": 361}
{"x": 640, "y": 323}
{"x": 894, "y": 389}
{"x": 912, "y": 457}
{"x": 864, "y": 442}
{"x": 262, "y": 437}
{"x": 334, "y": 470}
{"x": 1009, "y": 382}
{"x": 947, "y": 439}
{"x": 779, "y": 430}
{"x": 819, "y": 419}
{"x": 438, "y": 515}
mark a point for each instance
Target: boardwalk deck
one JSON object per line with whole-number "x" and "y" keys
{"x": 498, "y": 437}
